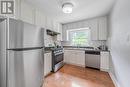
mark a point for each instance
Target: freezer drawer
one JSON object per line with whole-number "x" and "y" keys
{"x": 25, "y": 68}
{"x": 92, "y": 61}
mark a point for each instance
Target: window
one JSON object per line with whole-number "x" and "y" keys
{"x": 79, "y": 37}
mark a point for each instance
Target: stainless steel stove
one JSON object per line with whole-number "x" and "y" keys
{"x": 57, "y": 59}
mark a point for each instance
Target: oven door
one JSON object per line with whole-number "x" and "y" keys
{"x": 57, "y": 62}
{"x": 58, "y": 58}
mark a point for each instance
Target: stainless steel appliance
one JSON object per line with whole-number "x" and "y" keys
{"x": 57, "y": 59}
{"x": 92, "y": 59}
{"x": 21, "y": 54}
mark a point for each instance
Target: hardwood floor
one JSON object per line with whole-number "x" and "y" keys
{"x": 74, "y": 76}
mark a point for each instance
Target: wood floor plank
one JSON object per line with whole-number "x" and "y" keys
{"x": 75, "y": 76}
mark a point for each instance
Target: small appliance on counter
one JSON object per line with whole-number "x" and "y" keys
{"x": 103, "y": 48}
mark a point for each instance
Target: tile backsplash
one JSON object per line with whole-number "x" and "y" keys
{"x": 49, "y": 41}
{"x": 91, "y": 43}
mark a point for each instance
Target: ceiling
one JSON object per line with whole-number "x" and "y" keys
{"x": 83, "y": 9}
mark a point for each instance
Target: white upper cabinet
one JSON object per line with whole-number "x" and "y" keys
{"x": 40, "y": 19}
{"x": 27, "y": 12}
{"x": 98, "y": 28}
{"x": 49, "y": 23}
{"x": 59, "y": 37}
{"x": 55, "y": 26}
{"x": 93, "y": 25}
{"x": 102, "y": 28}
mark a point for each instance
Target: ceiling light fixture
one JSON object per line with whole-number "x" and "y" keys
{"x": 67, "y": 7}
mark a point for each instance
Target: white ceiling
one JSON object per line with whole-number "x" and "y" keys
{"x": 83, "y": 9}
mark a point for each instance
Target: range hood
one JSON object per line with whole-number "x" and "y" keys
{"x": 52, "y": 33}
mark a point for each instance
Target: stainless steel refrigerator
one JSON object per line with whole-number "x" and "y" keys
{"x": 21, "y": 54}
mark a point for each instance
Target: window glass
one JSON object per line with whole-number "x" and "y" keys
{"x": 79, "y": 37}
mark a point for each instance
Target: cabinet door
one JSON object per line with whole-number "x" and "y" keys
{"x": 73, "y": 57}
{"x": 27, "y": 13}
{"x": 59, "y": 36}
{"x": 49, "y": 23}
{"x": 80, "y": 58}
{"x": 55, "y": 26}
{"x": 70, "y": 56}
{"x": 102, "y": 28}
{"x": 66, "y": 56}
{"x": 104, "y": 66}
{"x": 47, "y": 63}
{"x": 40, "y": 19}
{"x": 93, "y": 24}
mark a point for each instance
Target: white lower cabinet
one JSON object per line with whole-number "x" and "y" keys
{"x": 80, "y": 58}
{"x": 76, "y": 57}
{"x": 104, "y": 65}
{"x": 47, "y": 63}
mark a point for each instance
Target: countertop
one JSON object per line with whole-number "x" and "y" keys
{"x": 49, "y": 49}
{"x": 84, "y": 48}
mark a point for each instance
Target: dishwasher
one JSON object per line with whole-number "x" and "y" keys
{"x": 92, "y": 59}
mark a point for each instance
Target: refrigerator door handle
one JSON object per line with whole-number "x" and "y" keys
{"x": 25, "y": 49}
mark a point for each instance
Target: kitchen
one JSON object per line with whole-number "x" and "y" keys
{"x": 77, "y": 43}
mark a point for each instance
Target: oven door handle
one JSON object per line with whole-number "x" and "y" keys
{"x": 58, "y": 54}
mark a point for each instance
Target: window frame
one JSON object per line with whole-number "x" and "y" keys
{"x": 79, "y": 29}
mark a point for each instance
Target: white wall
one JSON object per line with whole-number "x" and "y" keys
{"x": 119, "y": 42}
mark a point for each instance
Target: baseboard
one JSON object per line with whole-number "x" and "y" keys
{"x": 105, "y": 70}
{"x": 114, "y": 80}
{"x": 48, "y": 74}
